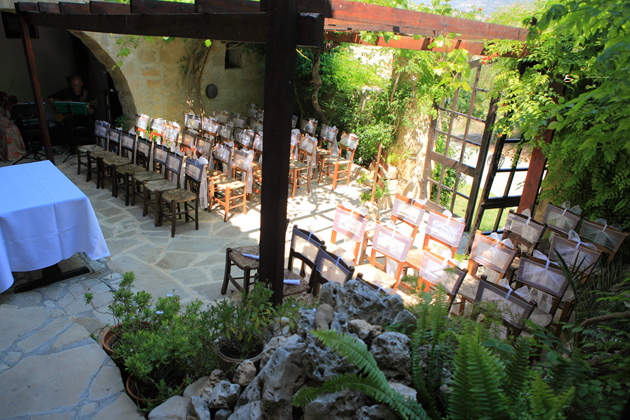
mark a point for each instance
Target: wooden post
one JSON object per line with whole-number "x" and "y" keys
{"x": 32, "y": 71}
{"x": 280, "y": 62}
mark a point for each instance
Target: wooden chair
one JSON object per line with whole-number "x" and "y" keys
{"x": 574, "y": 252}
{"x": 257, "y": 164}
{"x": 100, "y": 133}
{"x": 126, "y": 157}
{"x": 188, "y": 143}
{"x": 204, "y": 145}
{"x": 406, "y": 213}
{"x": 525, "y": 233}
{"x": 195, "y": 172}
{"x": 340, "y": 167}
{"x": 434, "y": 270}
{"x": 308, "y": 126}
{"x": 329, "y": 267}
{"x": 153, "y": 158}
{"x": 223, "y": 157}
{"x": 112, "y": 154}
{"x": 350, "y": 224}
{"x": 242, "y": 168}
{"x": 244, "y": 137}
{"x": 301, "y": 169}
{"x": 392, "y": 247}
{"x": 608, "y": 239}
{"x": 514, "y": 309}
{"x": 228, "y": 192}
{"x": 171, "y": 163}
{"x": 304, "y": 247}
{"x": 549, "y": 286}
{"x": 561, "y": 220}
{"x": 140, "y": 153}
{"x": 142, "y": 125}
{"x": 157, "y": 130}
{"x": 490, "y": 253}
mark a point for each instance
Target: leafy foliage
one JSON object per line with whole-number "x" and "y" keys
{"x": 372, "y": 381}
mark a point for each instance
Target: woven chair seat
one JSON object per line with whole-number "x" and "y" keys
{"x": 178, "y": 195}
{"x": 375, "y": 276}
{"x": 331, "y": 160}
{"x": 90, "y": 148}
{"x": 130, "y": 169}
{"x": 243, "y": 262}
{"x": 290, "y": 289}
{"x": 116, "y": 160}
{"x": 323, "y": 152}
{"x": 159, "y": 186}
{"x": 294, "y": 164}
{"x": 147, "y": 176}
{"x": 256, "y": 166}
{"x": 228, "y": 182}
{"x": 100, "y": 154}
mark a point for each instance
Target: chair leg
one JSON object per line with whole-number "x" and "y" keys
{"x": 226, "y": 275}
{"x": 88, "y": 176}
{"x": 294, "y": 183}
{"x": 145, "y": 208}
{"x": 308, "y": 181}
{"x": 126, "y": 180}
{"x": 321, "y": 172}
{"x": 335, "y": 176}
{"x": 227, "y": 204}
{"x": 196, "y": 214}
{"x": 174, "y": 218}
{"x": 158, "y": 206}
{"x": 348, "y": 174}
{"x": 79, "y": 162}
{"x": 244, "y": 204}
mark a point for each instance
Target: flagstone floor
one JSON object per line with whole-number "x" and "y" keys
{"x": 51, "y": 369}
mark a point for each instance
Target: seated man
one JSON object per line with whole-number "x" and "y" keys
{"x": 75, "y": 93}
{"x": 11, "y": 143}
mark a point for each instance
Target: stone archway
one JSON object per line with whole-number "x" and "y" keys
{"x": 100, "y": 46}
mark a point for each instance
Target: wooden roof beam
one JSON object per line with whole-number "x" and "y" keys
{"x": 225, "y": 27}
{"x": 408, "y": 43}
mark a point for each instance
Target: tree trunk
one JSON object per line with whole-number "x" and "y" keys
{"x": 317, "y": 80}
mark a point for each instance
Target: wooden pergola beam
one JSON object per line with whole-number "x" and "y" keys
{"x": 226, "y": 27}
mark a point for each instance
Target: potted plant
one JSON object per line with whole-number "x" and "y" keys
{"x": 240, "y": 327}
{"x": 131, "y": 312}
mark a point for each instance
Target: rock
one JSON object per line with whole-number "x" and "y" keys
{"x": 251, "y": 411}
{"x": 175, "y": 408}
{"x": 392, "y": 354}
{"x": 339, "y": 323}
{"x": 322, "y": 363}
{"x": 324, "y": 316}
{"x": 252, "y": 393}
{"x": 281, "y": 327}
{"x": 361, "y": 328}
{"x": 195, "y": 388}
{"x": 405, "y": 391}
{"x": 283, "y": 376}
{"x": 223, "y": 395}
{"x": 407, "y": 319}
{"x": 215, "y": 377}
{"x": 376, "y": 412}
{"x": 340, "y": 405}
{"x": 222, "y": 414}
{"x": 245, "y": 373}
{"x": 275, "y": 343}
{"x": 356, "y": 300}
{"x": 306, "y": 322}
{"x": 198, "y": 408}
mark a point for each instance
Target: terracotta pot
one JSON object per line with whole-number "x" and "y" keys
{"x": 130, "y": 385}
{"x": 229, "y": 365}
{"x": 108, "y": 336}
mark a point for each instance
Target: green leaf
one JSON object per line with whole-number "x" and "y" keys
{"x": 207, "y": 43}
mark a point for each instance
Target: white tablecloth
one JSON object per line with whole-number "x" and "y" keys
{"x": 44, "y": 218}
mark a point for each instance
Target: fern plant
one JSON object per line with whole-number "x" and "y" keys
{"x": 371, "y": 381}
{"x": 502, "y": 385}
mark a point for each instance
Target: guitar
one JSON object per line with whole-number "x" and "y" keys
{"x": 60, "y": 117}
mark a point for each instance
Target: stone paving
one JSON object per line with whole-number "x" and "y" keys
{"x": 50, "y": 367}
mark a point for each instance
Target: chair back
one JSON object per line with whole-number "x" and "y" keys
{"x": 211, "y": 126}
{"x": 195, "y": 172}
{"x": 189, "y": 140}
{"x": 306, "y": 149}
{"x": 171, "y": 133}
{"x": 223, "y": 154}
{"x": 158, "y": 126}
{"x": 143, "y": 152}
{"x": 101, "y": 130}
{"x": 348, "y": 144}
{"x": 128, "y": 146}
{"x": 242, "y": 160}
{"x": 408, "y": 211}
{"x": 142, "y": 125}
{"x": 304, "y": 246}
{"x": 309, "y": 126}
{"x": 524, "y": 232}
{"x": 258, "y": 146}
{"x": 113, "y": 143}
{"x": 445, "y": 230}
{"x": 192, "y": 121}
{"x": 435, "y": 270}
{"x": 574, "y": 252}
{"x": 394, "y": 246}
{"x": 160, "y": 154}
{"x": 244, "y": 137}
{"x": 204, "y": 145}
{"x": 491, "y": 253}
{"x": 546, "y": 278}
{"x": 327, "y": 134}
{"x": 295, "y": 142}
{"x": 226, "y": 132}
{"x": 514, "y": 309}
{"x": 329, "y": 267}
{"x": 350, "y": 224}
{"x": 561, "y": 219}
{"x": 608, "y": 238}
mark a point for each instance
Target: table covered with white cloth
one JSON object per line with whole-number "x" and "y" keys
{"x": 44, "y": 218}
